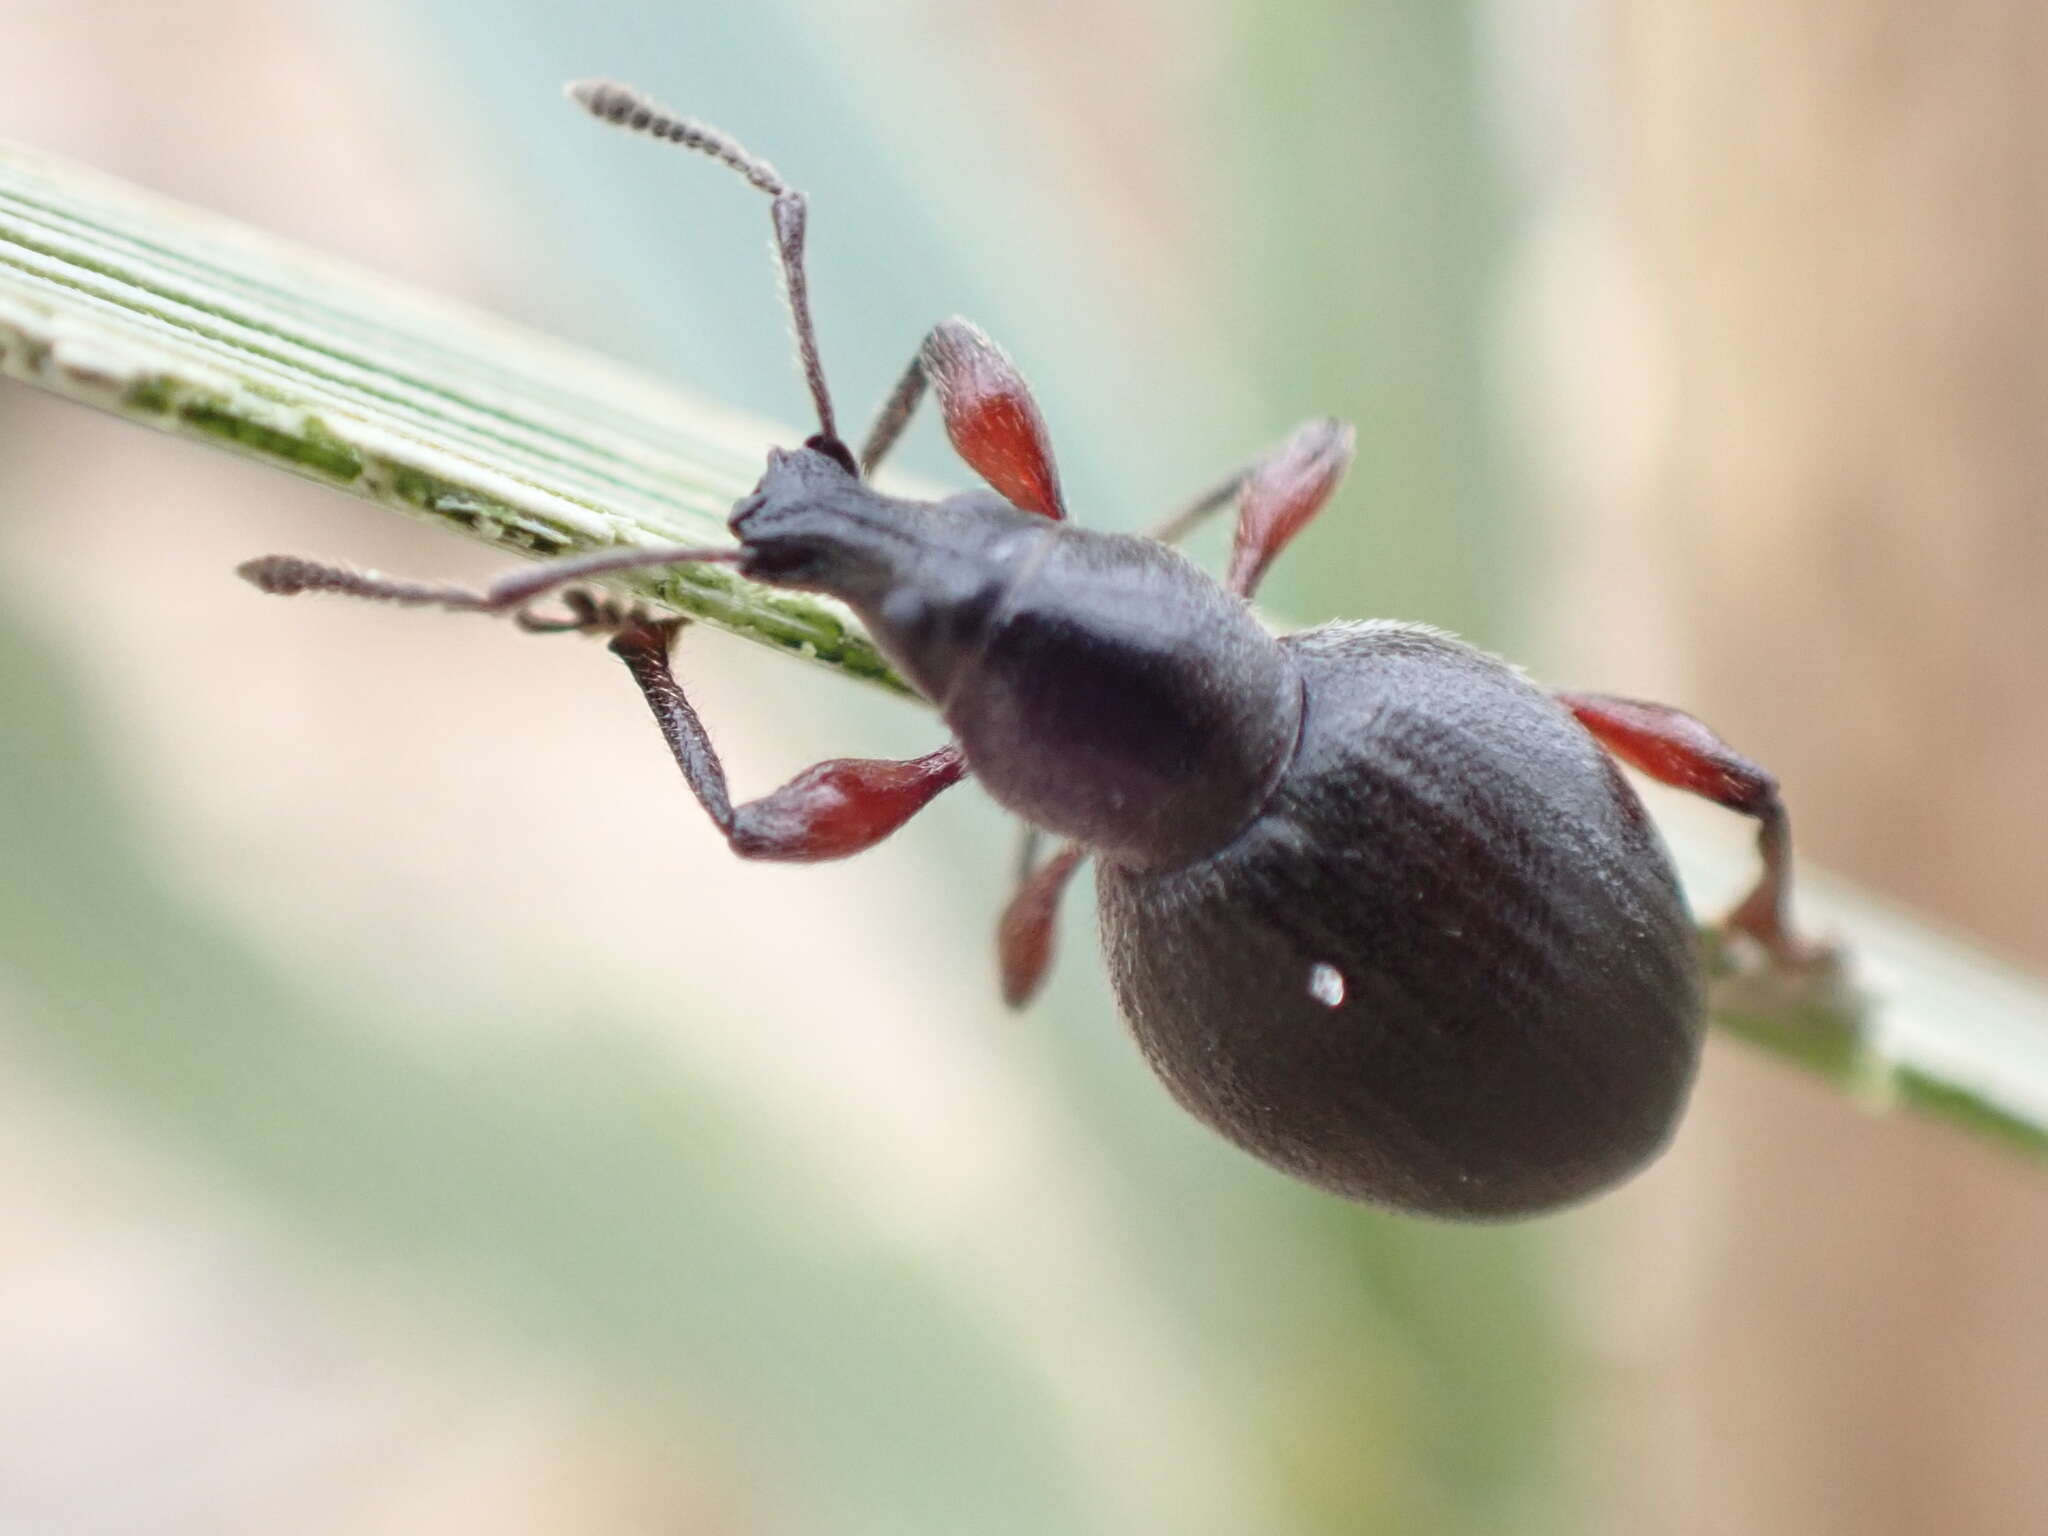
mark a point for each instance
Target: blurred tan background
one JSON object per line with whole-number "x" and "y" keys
{"x": 1843, "y": 211}
{"x": 1699, "y": 351}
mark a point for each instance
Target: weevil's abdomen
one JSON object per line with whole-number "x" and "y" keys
{"x": 1449, "y": 969}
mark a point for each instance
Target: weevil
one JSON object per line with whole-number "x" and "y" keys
{"x": 1377, "y": 908}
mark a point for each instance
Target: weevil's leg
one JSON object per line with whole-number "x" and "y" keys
{"x": 289, "y": 575}
{"x": 1674, "y": 748}
{"x": 589, "y": 613}
{"x": 1186, "y": 519}
{"x": 1024, "y": 935}
{"x": 628, "y": 109}
{"x": 990, "y": 417}
{"x": 1029, "y": 841}
{"x": 1276, "y": 497}
{"x": 828, "y": 811}
{"x": 1282, "y": 494}
{"x": 894, "y": 416}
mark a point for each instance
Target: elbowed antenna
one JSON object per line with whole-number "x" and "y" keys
{"x": 290, "y": 575}
{"x": 626, "y": 108}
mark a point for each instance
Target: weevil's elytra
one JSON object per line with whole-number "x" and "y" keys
{"x": 1378, "y": 909}
{"x": 1527, "y": 1024}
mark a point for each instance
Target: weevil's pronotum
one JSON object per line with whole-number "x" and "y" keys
{"x": 1377, "y": 909}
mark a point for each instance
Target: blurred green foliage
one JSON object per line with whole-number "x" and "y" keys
{"x": 609, "y": 1207}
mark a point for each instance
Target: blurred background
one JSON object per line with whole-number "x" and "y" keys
{"x": 412, "y": 1120}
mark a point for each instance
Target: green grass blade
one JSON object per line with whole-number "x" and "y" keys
{"x": 137, "y": 305}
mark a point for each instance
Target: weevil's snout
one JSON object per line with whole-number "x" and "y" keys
{"x": 803, "y": 525}
{"x": 794, "y": 479}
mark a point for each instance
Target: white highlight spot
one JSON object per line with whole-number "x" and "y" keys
{"x": 1326, "y": 984}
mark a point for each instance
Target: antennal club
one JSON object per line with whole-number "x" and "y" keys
{"x": 626, "y": 108}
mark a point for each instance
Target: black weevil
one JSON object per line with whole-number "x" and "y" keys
{"x": 1378, "y": 909}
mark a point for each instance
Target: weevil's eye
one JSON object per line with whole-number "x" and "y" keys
{"x": 833, "y": 449}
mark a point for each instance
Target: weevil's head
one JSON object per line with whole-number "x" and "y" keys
{"x": 925, "y": 577}
{"x": 811, "y": 523}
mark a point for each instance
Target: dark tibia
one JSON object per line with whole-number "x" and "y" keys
{"x": 1024, "y": 935}
{"x": 1187, "y": 519}
{"x": 1674, "y": 748}
{"x": 894, "y": 416}
{"x": 828, "y": 811}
